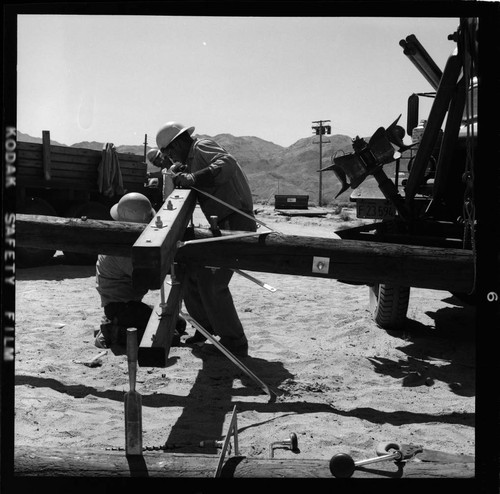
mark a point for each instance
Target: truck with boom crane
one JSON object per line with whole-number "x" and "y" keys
{"x": 430, "y": 200}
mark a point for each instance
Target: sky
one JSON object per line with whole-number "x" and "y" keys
{"x": 117, "y": 78}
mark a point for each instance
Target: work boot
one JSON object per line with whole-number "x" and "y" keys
{"x": 198, "y": 339}
{"x": 180, "y": 326}
{"x": 100, "y": 341}
{"x": 180, "y": 329}
{"x": 107, "y": 334}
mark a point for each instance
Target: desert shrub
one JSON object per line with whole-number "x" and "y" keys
{"x": 345, "y": 216}
{"x": 341, "y": 204}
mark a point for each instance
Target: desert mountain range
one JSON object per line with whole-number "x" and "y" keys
{"x": 271, "y": 168}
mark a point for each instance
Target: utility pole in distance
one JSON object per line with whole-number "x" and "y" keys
{"x": 320, "y": 129}
{"x": 145, "y": 146}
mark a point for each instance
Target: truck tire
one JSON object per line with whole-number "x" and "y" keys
{"x": 27, "y": 256}
{"x": 92, "y": 210}
{"x": 389, "y": 305}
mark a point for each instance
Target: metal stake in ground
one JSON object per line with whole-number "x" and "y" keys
{"x": 232, "y": 430}
{"x": 133, "y": 400}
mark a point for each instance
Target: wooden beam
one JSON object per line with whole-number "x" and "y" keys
{"x": 347, "y": 260}
{"x": 76, "y": 235}
{"x": 46, "y": 154}
{"x": 155, "y": 344}
{"x": 154, "y": 251}
{"x": 32, "y": 461}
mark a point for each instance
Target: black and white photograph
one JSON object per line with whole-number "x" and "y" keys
{"x": 248, "y": 245}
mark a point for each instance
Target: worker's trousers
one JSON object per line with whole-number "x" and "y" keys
{"x": 123, "y": 315}
{"x": 207, "y": 296}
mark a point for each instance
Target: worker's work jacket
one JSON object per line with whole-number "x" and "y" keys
{"x": 114, "y": 280}
{"x": 230, "y": 182}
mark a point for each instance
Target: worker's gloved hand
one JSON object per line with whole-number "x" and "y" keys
{"x": 184, "y": 180}
{"x": 177, "y": 167}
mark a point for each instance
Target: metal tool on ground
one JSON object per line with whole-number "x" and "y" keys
{"x": 342, "y": 465}
{"x": 94, "y": 361}
{"x": 229, "y": 355}
{"x": 232, "y": 430}
{"x": 214, "y": 443}
{"x": 291, "y": 444}
{"x": 133, "y": 400}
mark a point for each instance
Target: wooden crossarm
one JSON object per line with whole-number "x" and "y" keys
{"x": 154, "y": 251}
{"x": 155, "y": 344}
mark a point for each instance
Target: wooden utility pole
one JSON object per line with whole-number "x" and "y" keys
{"x": 43, "y": 462}
{"x": 320, "y": 129}
{"x": 366, "y": 262}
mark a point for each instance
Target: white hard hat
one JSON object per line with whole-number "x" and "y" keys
{"x": 153, "y": 155}
{"x": 133, "y": 207}
{"x": 169, "y": 131}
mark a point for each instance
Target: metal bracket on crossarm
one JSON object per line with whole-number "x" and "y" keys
{"x": 230, "y": 356}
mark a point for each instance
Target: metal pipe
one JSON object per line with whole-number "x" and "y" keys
{"x": 421, "y": 59}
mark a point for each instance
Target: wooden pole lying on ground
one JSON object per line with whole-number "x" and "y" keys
{"x": 40, "y": 462}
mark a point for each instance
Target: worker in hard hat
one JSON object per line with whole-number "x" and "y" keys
{"x": 207, "y": 166}
{"x": 122, "y": 302}
{"x": 156, "y": 159}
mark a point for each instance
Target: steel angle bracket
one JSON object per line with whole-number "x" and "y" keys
{"x": 236, "y": 210}
{"x": 228, "y": 237}
{"x": 255, "y": 280}
{"x": 221, "y": 238}
{"x": 231, "y": 431}
{"x": 230, "y": 356}
{"x": 249, "y": 277}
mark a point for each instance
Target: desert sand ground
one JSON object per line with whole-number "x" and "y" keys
{"x": 344, "y": 384}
